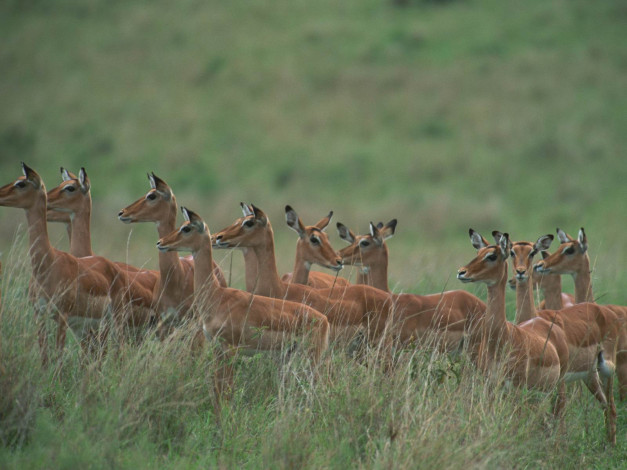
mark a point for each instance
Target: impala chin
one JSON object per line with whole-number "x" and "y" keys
{"x": 336, "y": 268}
{"x": 163, "y": 248}
{"x": 540, "y": 268}
{"x": 463, "y": 278}
{"x": 126, "y": 220}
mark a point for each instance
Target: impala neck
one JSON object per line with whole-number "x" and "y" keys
{"x": 80, "y": 241}
{"x": 170, "y": 268}
{"x": 551, "y": 287}
{"x": 495, "y": 321}
{"x": 40, "y": 250}
{"x": 583, "y": 283}
{"x": 377, "y": 277}
{"x": 525, "y": 306}
{"x": 300, "y": 273}
{"x": 252, "y": 271}
{"x": 205, "y": 281}
{"x": 268, "y": 283}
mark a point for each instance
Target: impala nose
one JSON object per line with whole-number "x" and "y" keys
{"x": 121, "y": 213}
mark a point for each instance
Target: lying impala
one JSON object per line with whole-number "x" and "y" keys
{"x": 313, "y": 247}
{"x": 73, "y": 198}
{"x": 174, "y": 291}
{"x": 408, "y": 317}
{"x": 535, "y": 353}
{"x": 369, "y": 252}
{"x": 591, "y": 331}
{"x": 572, "y": 258}
{"x": 239, "y": 319}
{"x": 74, "y": 288}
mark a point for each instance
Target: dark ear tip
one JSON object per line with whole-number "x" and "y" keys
{"x": 330, "y": 214}
{"x": 495, "y": 233}
{"x": 557, "y": 230}
{"x": 550, "y": 235}
{"x": 470, "y": 231}
{"x": 288, "y": 208}
{"x": 392, "y": 223}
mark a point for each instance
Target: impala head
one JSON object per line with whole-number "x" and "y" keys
{"x": 569, "y": 256}
{"x": 191, "y": 236}
{"x": 72, "y": 195}
{"x": 246, "y": 232}
{"x": 366, "y": 250}
{"x": 522, "y": 254}
{"x": 313, "y": 243}
{"x": 487, "y": 266}
{"x": 157, "y": 204}
{"x": 25, "y": 191}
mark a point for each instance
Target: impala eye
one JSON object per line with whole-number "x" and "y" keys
{"x": 70, "y": 189}
{"x": 512, "y": 254}
{"x": 20, "y": 184}
{"x": 570, "y": 250}
{"x": 249, "y": 223}
{"x": 151, "y": 196}
{"x": 314, "y": 241}
{"x": 491, "y": 257}
{"x": 364, "y": 243}
{"x": 186, "y": 229}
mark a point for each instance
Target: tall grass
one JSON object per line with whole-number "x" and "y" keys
{"x": 152, "y": 404}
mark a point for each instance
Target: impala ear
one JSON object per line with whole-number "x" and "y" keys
{"x": 159, "y": 185}
{"x": 543, "y": 243}
{"x": 504, "y": 244}
{"x": 388, "y": 230}
{"x": 31, "y": 175}
{"x": 83, "y": 180}
{"x": 345, "y": 233}
{"x": 259, "y": 215}
{"x": 194, "y": 219}
{"x": 477, "y": 240}
{"x": 322, "y": 223}
{"x": 563, "y": 236}
{"x": 294, "y": 222}
{"x": 65, "y": 175}
{"x": 583, "y": 240}
{"x": 376, "y": 234}
{"x": 246, "y": 209}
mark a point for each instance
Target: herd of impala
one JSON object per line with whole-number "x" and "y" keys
{"x": 570, "y": 339}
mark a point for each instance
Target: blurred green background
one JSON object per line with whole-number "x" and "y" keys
{"x": 491, "y": 114}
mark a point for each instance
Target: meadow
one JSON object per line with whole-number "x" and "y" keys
{"x": 496, "y": 115}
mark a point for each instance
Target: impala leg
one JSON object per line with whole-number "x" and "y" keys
{"x": 61, "y": 333}
{"x": 621, "y": 369}
{"x": 41, "y": 336}
{"x": 560, "y": 405}
{"x": 223, "y": 384}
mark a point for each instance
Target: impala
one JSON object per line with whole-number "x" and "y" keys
{"x": 241, "y": 320}
{"x": 369, "y": 253}
{"x": 313, "y": 247}
{"x": 572, "y": 258}
{"x": 591, "y": 331}
{"x": 174, "y": 291}
{"x": 74, "y": 288}
{"x": 409, "y": 318}
{"x": 73, "y": 198}
{"x": 535, "y": 353}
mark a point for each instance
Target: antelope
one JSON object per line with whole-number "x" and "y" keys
{"x": 534, "y": 353}
{"x": 572, "y": 258}
{"x": 409, "y": 318}
{"x": 313, "y": 248}
{"x": 241, "y": 320}
{"x": 73, "y": 198}
{"x": 591, "y": 331}
{"x": 551, "y": 287}
{"x": 174, "y": 291}
{"x": 75, "y": 288}
{"x": 369, "y": 253}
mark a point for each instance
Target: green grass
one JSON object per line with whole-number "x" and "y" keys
{"x": 446, "y": 115}
{"x": 152, "y": 404}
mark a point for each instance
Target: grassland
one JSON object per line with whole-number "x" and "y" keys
{"x": 446, "y": 115}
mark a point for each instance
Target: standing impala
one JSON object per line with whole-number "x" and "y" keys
{"x": 313, "y": 247}
{"x": 73, "y": 288}
{"x": 174, "y": 291}
{"x": 369, "y": 253}
{"x": 572, "y": 258}
{"x": 239, "y": 319}
{"x": 535, "y": 353}
{"x": 591, "y": 331}
{"x": 409, "y": 318}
